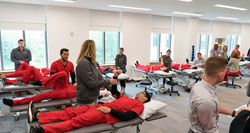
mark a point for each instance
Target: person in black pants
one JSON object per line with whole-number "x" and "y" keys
{"x": 167, "y": 61}
{"x": 120, "y": 64}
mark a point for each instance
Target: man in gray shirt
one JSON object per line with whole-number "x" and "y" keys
{"x": 199, "y": 62}
{"x": 204, "y": 109}
{"x": 20, "y": 54}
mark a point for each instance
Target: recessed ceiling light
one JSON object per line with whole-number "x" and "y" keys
{"x": 127, "y": 7}
{"x": 68, "y": 1}
{"x": 231, "y": 7}
{"x": 227, "y": 18}
{"x": 190, "y": 14}
{"x": 186, "y": 0}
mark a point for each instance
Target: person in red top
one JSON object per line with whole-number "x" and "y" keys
{"x": 121, "y": 109}
{"x": 65, "y": 91}
{"x": 63, "y": 65}
{"x": 28, "y": 73}
{"x": 237, "y": 50}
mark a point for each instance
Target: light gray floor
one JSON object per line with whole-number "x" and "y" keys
{"x": 176, "y": 122}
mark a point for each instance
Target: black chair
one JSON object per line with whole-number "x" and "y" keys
{"x": 233, "y": 84}
{"x": 171, "y": 90}
{"x": 145, "y": 83}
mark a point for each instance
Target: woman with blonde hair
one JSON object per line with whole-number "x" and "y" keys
{"x": 224, "y": 52}
{"x": 89, "y": 77}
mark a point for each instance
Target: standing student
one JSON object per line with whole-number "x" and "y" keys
{"x": 20, "y": 54}
{"x": 224, "y": 52}
{"x": 215, "y": 51}
{"x": 63, "y": 64}
{"x": 204, "y": 108}
{"x": 89, "y": 77}
{"x": 237, "y": 51}
{"x": 120, "y": 64}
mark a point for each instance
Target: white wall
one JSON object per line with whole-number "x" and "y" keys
{"x": 67, "y": 28}
{"x": 245, "y": 38}
{"x": 136, "y": 29}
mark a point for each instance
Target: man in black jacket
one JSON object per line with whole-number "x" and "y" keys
{"x": 120, "y": 64}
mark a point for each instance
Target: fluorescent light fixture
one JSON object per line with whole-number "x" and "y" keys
{"x": 127, "y": 7}
{"x": 186, "y": 0}
{"x": 231, "y": 7}
{"x": 68, "y": 1}
{"x": 227, "y": 18}
{"x": 190, "y": 14}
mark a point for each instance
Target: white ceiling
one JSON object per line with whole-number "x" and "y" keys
{"x": 161, "y": 7}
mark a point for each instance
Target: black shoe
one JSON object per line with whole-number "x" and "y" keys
{"x": 32, "y": 113}
{"x": 36, "y": 83}
{"x": 187, "y": 60}
{"x": 36, "y": 129}
{"x": 136, "y": 63}
{"x": 8, "y": 102}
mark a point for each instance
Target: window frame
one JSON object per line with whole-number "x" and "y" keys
{"x": 104, "y": 45}
{"x": 24, "y": 40}
{"x": 199, "y": 43}
{"x": 159, "y": 50}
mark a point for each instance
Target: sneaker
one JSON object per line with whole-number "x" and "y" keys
{"x": 36, "y": 129}
{"x": 36, "y": 83}
{"x": 19, "y": 83}
{"x": 32, "y": 112}
{"x": 4, "y": 81}
{"x": 187, "y": 60}
{"x": 123, "y": 92}
{"x": 8, "y": 102}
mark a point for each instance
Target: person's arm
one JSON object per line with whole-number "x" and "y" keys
{"x": 73, "y": 77}
{"x": 29, "y": 57}
{"x": 228, "y": 111}
{"x": 124, "y": 63}
{"x": 123, "y": 116}
{"x": 87, "y": 76}
{"x": 12, "y": 56}
{"x": 248, "y": 89}
{"x": 116, "y": 62}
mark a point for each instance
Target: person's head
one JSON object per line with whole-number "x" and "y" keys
{"x": 144, "y": 96}
{"x": 216, "y": 46}
{"x": 225, "y": 48}
{"x": 64, "y": 53}
{"x": 88, "y": 50}
{"x": 234, "y": 55}
{"x": 168, "y": 53}
{"x": 215, "y": 67}
{"x": 199, "y": 56}
{"x": 20, "y": 43}
{"x": 237, "y": 46}
{"x": 121, "y": 51}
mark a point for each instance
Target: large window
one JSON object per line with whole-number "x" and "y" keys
{"x": 107, "y": 46}
{"x": 33, "y": 40}
{"x": 160, "y": 42}
{"x": 203, "y": 41}
{"x": 232, "y": 40}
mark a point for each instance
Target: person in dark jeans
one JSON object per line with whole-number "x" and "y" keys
{"x": 120, "y": 64}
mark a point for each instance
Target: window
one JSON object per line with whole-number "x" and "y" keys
{"x": 160, "y": 42}
{"x": 232, "y": 40}
{"x": 107, "y": 46}
{"x": 203, "y": 41}
{"x": 33, "y": 40}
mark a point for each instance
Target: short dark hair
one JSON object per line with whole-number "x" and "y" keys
{"x": 63, "y": 49}
{"x": 20, "y": 40}
{"x": 215, "y": 65}
{"x": 169, "y": 50}
{"x": 198, "y": 53}
{"x": 148, "y": 95}
{"x": 122, "y": 49}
